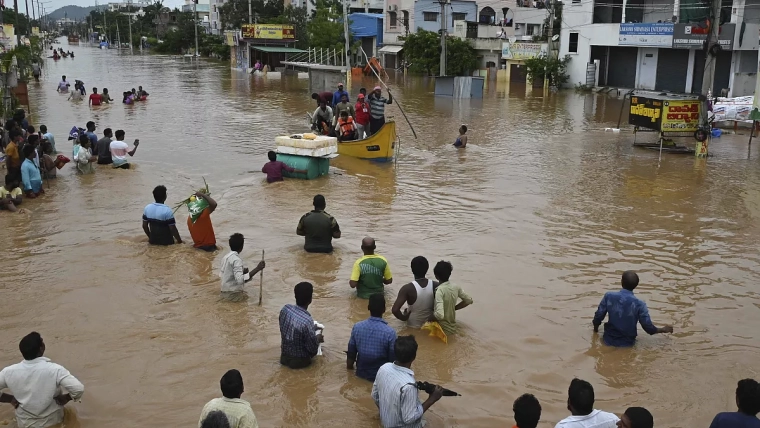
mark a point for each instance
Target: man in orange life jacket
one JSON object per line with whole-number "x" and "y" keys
{"x": 346, "y": 127}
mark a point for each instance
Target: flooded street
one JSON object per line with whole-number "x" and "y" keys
{"x": 539, "y": 216}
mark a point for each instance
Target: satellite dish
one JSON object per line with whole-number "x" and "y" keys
{"x": 555, "y": 37}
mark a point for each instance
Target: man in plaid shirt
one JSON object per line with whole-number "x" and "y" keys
{"x": 373, "y": 339}
{"x": 299, "y": 339}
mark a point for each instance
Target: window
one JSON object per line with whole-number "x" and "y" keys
{"x": 392, "y": 19}
{"x": 214, "y": 8}
{"x": 572, "y": 47}
{"x": 430, "y": 16}
{"x": 459, "y": 16}
{"x": 576, "y": 1}
{"x": 529, "y": 30}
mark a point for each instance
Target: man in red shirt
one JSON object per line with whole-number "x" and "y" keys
{"x": 362, "y": 116}
{"x": 273, "y": 169}
{"x": 95, "y": 98}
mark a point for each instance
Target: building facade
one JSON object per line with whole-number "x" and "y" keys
{"x": 215, "y": 24}
{"x": 658, "y": 45}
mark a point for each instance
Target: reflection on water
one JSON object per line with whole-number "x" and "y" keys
{"x": 539, "y": 216}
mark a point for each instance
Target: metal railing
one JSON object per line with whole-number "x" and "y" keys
{"x": 319, "y": 56}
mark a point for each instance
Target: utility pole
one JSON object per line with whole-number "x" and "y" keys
{"x": 18, "y": 33}
{"x": 250, "y": 12}
{"x": 129, "y": 15}
{"x": 345, "y": 35}
{"x": 442, "y": 71}
{"x": 195, "y": 24}
{"x": 709, "y": 73}
{"x": 550, "y": 34}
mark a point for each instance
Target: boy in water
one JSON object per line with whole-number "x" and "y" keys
{"x": 273, "y": 169}
{"x": 10, "y": 194}
{"x": 105, "y": 97}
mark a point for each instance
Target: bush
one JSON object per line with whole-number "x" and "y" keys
{"x": 543, "y": 67}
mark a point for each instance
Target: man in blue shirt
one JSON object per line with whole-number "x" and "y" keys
{"x": 338, "y": 94}
{"x": 373, "y": 339}
{"x": 90, "y": 133}
{"x": 625, "y": 310}
{"x": 300, "y": 341}
{"x": 158, "y": 220}
{"x": 748, "y": 402}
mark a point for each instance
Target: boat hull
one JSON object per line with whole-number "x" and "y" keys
{"x": 380, "y": 147}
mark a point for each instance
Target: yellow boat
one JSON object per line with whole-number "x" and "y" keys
{"x": 380, "y": 147}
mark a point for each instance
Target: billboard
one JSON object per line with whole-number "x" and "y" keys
{"x": 522, "y": 50}
{"x": 645, "y": 112}
{"x": 655, "y": 35}
{"x": 680, "y": 116}
{"x": 693, "y": 36}
{"x": 268, "y": 31}
{"x": 7, "y": 37}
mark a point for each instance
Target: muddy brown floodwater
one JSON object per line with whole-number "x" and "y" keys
{"x": 539, "y": 215}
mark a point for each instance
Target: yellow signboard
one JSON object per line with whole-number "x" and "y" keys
{"x": 230, "y": 39}
{"x": 7, "y": 37}
{"x": 35, "y": 31}
{"x": 268, "y": 31}
{"x": 680, "y": 116}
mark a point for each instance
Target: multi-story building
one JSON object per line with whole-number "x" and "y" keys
{"x": 659, "y": 44}
{"x": 202, "y": 10}
{"x": 215, "y": 24}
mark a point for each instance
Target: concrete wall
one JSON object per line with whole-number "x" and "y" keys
{"x": 470, "y": 8}
{"x": 325, "y": 80}
{"x": 601, "y": 34}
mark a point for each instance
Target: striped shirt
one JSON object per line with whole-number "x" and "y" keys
{"x": 395, "y": 395}
{"x": 377, "y": 106}
{"x": 160, "y": 218}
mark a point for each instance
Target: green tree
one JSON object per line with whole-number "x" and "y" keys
{"x": 423, "y": 50}
{"x": 326, "y": 26}
{"x": 543, "y": 67}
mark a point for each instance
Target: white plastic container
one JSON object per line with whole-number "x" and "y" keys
{"x": 321, "y": 146}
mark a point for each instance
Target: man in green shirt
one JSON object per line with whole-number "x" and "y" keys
{"x": 371, "y": 272}
{"x": 446, "y": 297}
{"x": 319, "y": 228}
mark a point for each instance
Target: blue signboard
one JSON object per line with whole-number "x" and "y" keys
{"x": 654, "y": 34}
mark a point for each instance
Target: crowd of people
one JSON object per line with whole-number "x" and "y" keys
{"x": 95, "y": 98}
{"x": 336, "y": 116}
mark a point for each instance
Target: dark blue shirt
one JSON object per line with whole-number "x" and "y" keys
{"x": 735, "y": 420}
{"x": 625, "y": 311}
{"x": 373, "y": 339}
{"x": 337, "y": 96}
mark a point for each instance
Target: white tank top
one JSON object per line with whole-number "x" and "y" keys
{"x": 422, "y": 308}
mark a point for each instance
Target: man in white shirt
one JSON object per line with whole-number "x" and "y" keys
{"x": 239, "y": 413}
{"x": 35, "y": 385}
{"x": 395, "y": 390}
{"x": 580, "y": 402}
{"x": 120, "y": 149}
{"x": 233, "y": 274}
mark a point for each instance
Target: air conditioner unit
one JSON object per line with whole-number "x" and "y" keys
{"x": 392, "y": 8}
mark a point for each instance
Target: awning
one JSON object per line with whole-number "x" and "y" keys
{"x": 277, "y": 49}
{"x": 391, "y": 49}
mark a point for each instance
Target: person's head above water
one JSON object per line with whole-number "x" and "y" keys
{"x": 63, "y": 78}
{"x": 29, "y": 151}
{"x": 527, "y": 411}
{"x": 368, "y": 246}
{"x": 94, "y": 90}
{"x": 159, "y": 194}
{"x": 420, "y": 267}
{"x": 32, "y": 346}
{"x": 11, "y": 182}
{"x": 272, "y": 155}
{"x": 303, "y": 292}
{"x": 319, "y": 203}
{"x": 108, "y": 133}
{"x": 580, "y": 397}
{"x": 232, "y": 384}
{"x": 120, "y": 134}
{"x": 237, "y": 241}
{"x": 84, "y": 141}
{"x": 43, "y": 129}
{"x": 636, "y": 417}
{"x": 442, "y": 271}
{"x": 630, "y": 280}
{"x": 748, "y": 397}
{"x": 376, "y": 305}
{"x": 405, "y": 350}
{"x": 463, "y": 129}
{"x": 90, "y": 126}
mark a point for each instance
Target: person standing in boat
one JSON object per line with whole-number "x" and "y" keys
{"x": 339, "y": 94}
{"x": 461, "y": 141}
{"x": 343, "y": 105}
{"x": 362, "y": 116}
{"x": 377, "y": 109}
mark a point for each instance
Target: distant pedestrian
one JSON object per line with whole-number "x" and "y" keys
{"x": 90, "y": 133}
{"x": 95, "y": 98}
{"x": 639, "y": 417}
{"x": 580, "y": 403}
{"x": 461, "y": 141}
{"x": 625, "y": 311}
{"x": 377, "y": 109}
{"x": 372, "y": 341}
{"x": 371, "y": 273}
{"x": 36, "y": 71}
{"x": 120, "y": 150}
{"x": 319, "y": 228}
{"x": 748, "y": 402}
{"x": 299, "y": 341}
{"x": 527, "y": 411}
{"x": 63, "y": 85}
{"x": 104, "y": 148}
{"x": 105, "y": 96}
{"x": 39, "y": 388}
{"x": 238, "y": 412}
{"x": 48, "y": 136}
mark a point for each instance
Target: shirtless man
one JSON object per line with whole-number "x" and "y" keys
{"x": 419, "y": 295}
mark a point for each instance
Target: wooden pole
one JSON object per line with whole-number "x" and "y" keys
{"x": 261, "y": 279}
{"x": 386, "y": 88}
